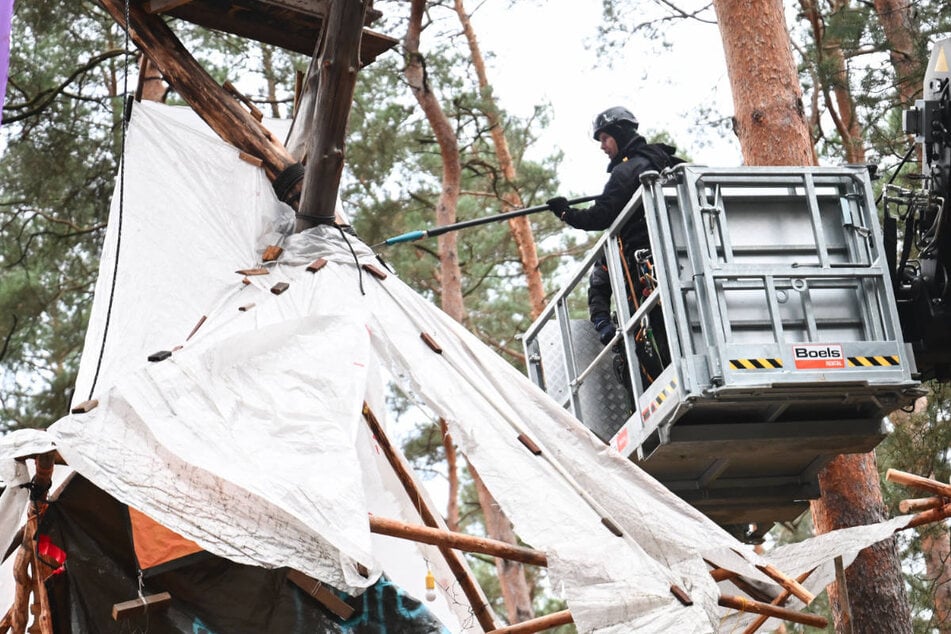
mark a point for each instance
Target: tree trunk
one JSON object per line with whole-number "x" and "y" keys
{"x": 450, "y": 277}
{"x": 151, "y": 85}
{"x": 515, "y": 588}
{"x": 907, "y": 55}
{"x": 452, "y": 506}
{"x": 520, "y": 227}
{"x": 852, "y": 496}
{"x": 936, "y": 547}
{"x": 267, "y": 68}
{"x": 769, "y": 121}
{"x": 772, "y": 131}
{"x": 834, "y": 83}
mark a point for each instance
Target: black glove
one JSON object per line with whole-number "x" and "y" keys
{"x": 606, "y": 329}
{"x": 558, "y": 205}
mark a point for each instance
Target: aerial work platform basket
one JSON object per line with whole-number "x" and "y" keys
{"x": 784, "y": 343}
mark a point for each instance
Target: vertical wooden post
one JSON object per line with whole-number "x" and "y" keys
{"x": 338, "y": 60}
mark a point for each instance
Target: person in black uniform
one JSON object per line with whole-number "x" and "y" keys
{"x": 630, "y": 156}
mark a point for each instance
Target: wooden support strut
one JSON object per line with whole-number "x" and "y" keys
{"x": 482, "y": 610}
{"x": 941, "y": 510}
{"x": 767, "y": 609}
{"x": 537, "y": 625}
{"x": 780, "y": 601}
{"x": 213, "y": 104}
{"x": 450, "y": 539}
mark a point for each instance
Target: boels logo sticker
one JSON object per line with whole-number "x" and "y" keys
{"x": 818, "y": 356}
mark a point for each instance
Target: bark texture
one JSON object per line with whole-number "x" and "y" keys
{"x": 214, "y": 105}
{"x": 770, "y": 120}
{"x": 877, "y": 601}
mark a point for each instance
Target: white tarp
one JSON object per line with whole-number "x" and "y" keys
{"x": 250, "y": 440}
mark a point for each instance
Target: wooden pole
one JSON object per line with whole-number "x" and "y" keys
{"x": 213, "y": 104}
{"x": 746, "y": 605}
{"x": 449, "y": 539}
{"x": 537, "y": 625}
{"x": 780, "y": 600}
{"x": 481, "y": 608}
{"x": 921, "y": 504}
{"x": 338, "y": 55}
{"x": 919, "y": 482}
{"x": 788, "y": 583}
{"x": 929, "y": 516}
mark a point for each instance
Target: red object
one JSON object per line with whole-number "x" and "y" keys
{"x": 51, "y": 553}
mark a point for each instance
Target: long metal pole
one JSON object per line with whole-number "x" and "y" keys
{"x": 465, "y": 224}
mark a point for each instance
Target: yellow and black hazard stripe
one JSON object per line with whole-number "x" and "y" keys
{"x": 872, "y": 362}
{"x": 658, "y": 400}
{"x": 761, "y": 363}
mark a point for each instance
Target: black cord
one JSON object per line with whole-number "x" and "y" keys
{"x": 895, "y": 173}
{"x": 356, "y": 260}
{"x": 115, "y": 268}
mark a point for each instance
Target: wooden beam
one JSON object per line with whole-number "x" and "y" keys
{"x": 213, "y": 104}
{"x": 918, "y": 482}
{"x": 780, "y": 600}
{"x": 537, "y": 625}
{"x": 921, "y": 504}
{"x": 766, "y": 609}
{"x": 449, "y": 539}
{"x": 929, "y": 517}
{"x": 480, "y": 607}
{"x": 140, "y": 605}
{"x": 318, "y": 591}
{"x": 788, "y": 583}
{"x": 338, "y": 57}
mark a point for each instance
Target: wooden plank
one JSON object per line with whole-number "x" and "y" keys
{"x": 321, "y": 593}
{"x": 85, "y": 407}
{"x": 161, "y": 6}
{"x": 290, "y": 27}
{"x": 213, "y": 104}
{"x": 140, "y": 605}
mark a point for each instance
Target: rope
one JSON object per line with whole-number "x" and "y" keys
{"x": 115, "y": 268}
{"x": 356, "y": 260}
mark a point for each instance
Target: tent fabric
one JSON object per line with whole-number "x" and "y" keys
{"x": 249, "y": 438}
{"x": 207, "y": 595}
{"x": 155, "y": 545}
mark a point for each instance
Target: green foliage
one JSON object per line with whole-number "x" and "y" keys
{"x": 61, "y": 131}
{"x": 393, "y": 182}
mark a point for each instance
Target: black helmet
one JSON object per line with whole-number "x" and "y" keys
{"x": 613, "y": 117}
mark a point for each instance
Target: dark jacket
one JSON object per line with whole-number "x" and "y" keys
{"x": 637, "y": 157}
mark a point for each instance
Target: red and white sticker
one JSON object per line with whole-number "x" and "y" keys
{"x": 818, "y": 356}
{"x": 620, "y": 440}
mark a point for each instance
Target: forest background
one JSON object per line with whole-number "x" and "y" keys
{"x": 441, "y": 108}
